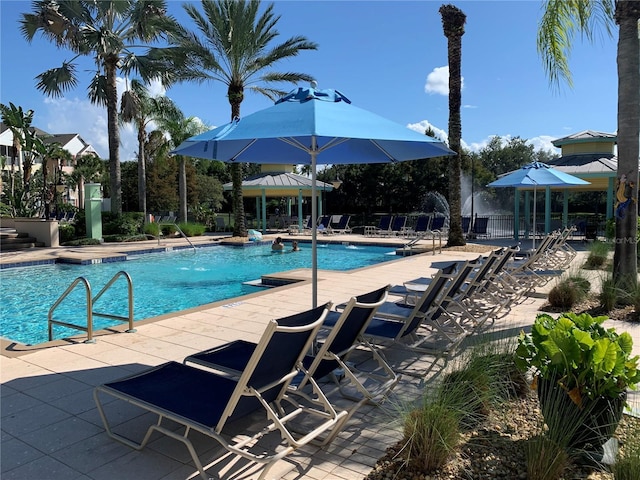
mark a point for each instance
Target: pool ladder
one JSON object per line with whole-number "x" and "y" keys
{"x": 90, "y": 301}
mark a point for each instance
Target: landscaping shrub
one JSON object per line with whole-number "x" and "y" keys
{"x": 152, "y": 229}
{"x": 627, "y": 464}
{"x": 598, "y": 255}
{"x": 81, "y": 241}
{"x": 66, "y": 232}
{"x": 568, "y": 292}
{"x": 128, "y": 224}
{"x": 192, "y": 229}
{"x": 124, "y": 238}
{"x": 430, "y": 434}
{"x": 609, "y": 294}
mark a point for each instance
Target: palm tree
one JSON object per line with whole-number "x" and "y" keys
{"x": 560, "y": 21}
{"x": 453, "y": 20}
{"x": 139, "y": 108}
{"x": 88, "y": 168}
{"x": 18, "y": 122}
{"x": 50, "y": 154}
{"x": 179, "y": 128}
{"x": 236, "y": 49}
{"x": 109, "y": 31}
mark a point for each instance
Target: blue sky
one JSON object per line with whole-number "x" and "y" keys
{"x": 389, "y": 57}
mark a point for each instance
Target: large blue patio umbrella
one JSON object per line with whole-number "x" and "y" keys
{"x": 309, "y": 126}
{"x": 534, "y": 175}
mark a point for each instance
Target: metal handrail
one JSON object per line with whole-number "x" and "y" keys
{"x": 128, "y": 318}
{"x": 179, "y": 230}
{"x": 89, "y": 327}
{"x": 90, "y": 301}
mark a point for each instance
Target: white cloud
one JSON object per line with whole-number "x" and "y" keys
{"x": 438, "y": 81}
{"x": 541, "y": 142}
{"x": 424, "y": 125}
{"x": 79, "y": 115}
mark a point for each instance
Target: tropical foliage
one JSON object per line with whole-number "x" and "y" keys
{"x": 112, "y": 34}
{"x": 235, "y": 45}
{"x": 558, "y": 26}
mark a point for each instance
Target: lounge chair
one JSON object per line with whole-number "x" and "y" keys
{"x": 408, "y": 326}
{"x": 466, "y": 225}
{"x": 332, "y": 353}
{"x": 324, "y": 225}
{"x": 397, "y": 227}
{"x": 208, "y": 401}
{"x": 343, "y": 225}
{"x": 421, "y": 226}
{"x": 383, "y": 226}
{"x": 480, "y": 225}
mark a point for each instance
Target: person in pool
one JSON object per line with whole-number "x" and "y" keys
{"x": 294, "y": 246}
{"x": 277, "y": 245}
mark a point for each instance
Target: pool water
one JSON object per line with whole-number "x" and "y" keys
{"x": 163, "y": 283}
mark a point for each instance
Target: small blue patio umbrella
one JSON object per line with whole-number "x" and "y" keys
{"x": 309, "y": 126}
{"x": 536, "y": 174}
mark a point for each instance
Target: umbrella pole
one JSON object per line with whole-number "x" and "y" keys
{"x": 314, "y": 221}
{"x": 534, "y": 218}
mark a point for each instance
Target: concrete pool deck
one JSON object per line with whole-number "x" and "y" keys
{"x": 51, "y": 428}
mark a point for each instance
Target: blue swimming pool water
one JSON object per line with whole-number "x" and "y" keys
{"x": 163, "y": 283}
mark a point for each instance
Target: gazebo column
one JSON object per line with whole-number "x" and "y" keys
{"x": 264, "y": 211}
{"x": 289, "y": 207}
{"x": 516, "y": 215}
{"x": 527, "y": 214}
{"x": 258, "y": 226}
{"x": 300, "y": 210}
{"x": 610, "y": 190}
{"x": 547, "y": 210}
{"x": 565, "y": 207}
{"x": 320, "y": 203}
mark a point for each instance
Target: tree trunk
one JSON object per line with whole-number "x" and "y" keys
{"x": 235, "y": 94}
{"x": 142, "y": 175}
{"x": 114, "y": 137}
{"x": 625, "y": 260}
{"x": 453, "y": 20}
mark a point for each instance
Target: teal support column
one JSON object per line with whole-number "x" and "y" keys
{"x": 321, "y": 203}
{"x": 258, "y": 220}
{"x": 93, "y": 210}
{"x": 289, "y": 207}
{"x": 547, "y": 210}
{"x": 527, "y": 214}
{"x": 610, "y": 190}
{"x": 264, "y": 211}
{"x": 300, "y": 210}
{"x": 516, "y": 215}
{"x": 565, "y": 208}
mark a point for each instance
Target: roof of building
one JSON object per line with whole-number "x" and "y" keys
{"x": 585, "y": 136}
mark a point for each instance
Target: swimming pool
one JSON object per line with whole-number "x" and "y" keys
{"x": 163, "y": 283}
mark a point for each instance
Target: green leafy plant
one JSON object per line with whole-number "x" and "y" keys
{"x": 583, "y": 357}
{"x": 192, "y": 229}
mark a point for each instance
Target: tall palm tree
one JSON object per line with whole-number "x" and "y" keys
{"x": 453, "y": 20}
{"x": 111, "y": 32}
{"x": 560, "y": 21}
{"x": 236, "y": 47}
{"x": 179, "y": 128}
{"x": 50, "y": 154}
{"x": 88, "y": 168}
{"x": 18, "y": 122}
{"x": 140, "y": 108}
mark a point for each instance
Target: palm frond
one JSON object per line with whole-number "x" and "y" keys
{"x": 54, "y": 82}
{"x": 98, "y": 90}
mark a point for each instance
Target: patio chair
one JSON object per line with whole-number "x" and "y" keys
{"x": 480, "y": 225}
{"x": 324, "y": 225}
{"x": 343, "y": 225}
{"x": 383, "y": 226}
{"x": 422, "y": 226}
{"x": 397, "y": 226}
{"x": 208, "y": 401}
{"x": 466, "y": 225}
{"x": 331, "y": 355}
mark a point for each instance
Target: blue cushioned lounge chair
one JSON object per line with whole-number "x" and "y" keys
{"x": 208, "y": 402}
{"x": 331, "y": 354}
